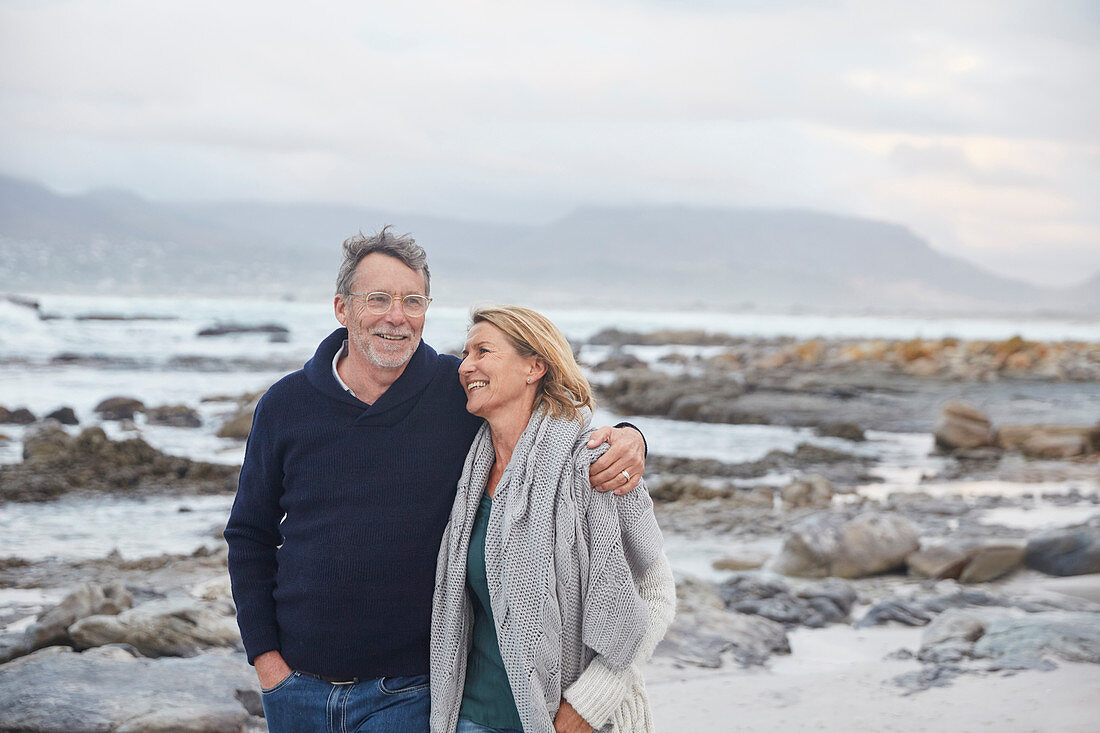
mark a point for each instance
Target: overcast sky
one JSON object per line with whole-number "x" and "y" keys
{"x": 975, "y": 123}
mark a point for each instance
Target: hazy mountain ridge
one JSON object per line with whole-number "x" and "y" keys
{"x": 119, "y": 243}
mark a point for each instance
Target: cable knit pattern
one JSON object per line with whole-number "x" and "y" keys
{"x": 563, "y": 565}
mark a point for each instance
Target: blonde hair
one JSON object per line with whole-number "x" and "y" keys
{"x": 563, "y": 390}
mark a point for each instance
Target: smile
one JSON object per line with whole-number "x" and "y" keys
{"x": 475, "y": 385}
{"x": 391, "y": 337}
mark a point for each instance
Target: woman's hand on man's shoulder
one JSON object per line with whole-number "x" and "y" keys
{"x": 621, "y": 467}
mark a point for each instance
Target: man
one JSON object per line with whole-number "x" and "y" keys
{"x": 348, "y": 480}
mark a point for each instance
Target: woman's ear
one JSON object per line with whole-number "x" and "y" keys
{"x": 538, "y": 369}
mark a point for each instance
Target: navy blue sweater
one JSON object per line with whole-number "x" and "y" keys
{"x": 342, "y": 584}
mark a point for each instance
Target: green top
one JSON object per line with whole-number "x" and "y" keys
{"x": 487, "y": 697}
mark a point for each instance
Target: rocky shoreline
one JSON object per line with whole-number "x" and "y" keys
{"x": 818, "y": 536}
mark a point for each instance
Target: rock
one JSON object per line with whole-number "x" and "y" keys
{"x": 20, "y": 416}
{"x": 1069, "y": 551}
{"x": 64, "y": 415}
{"x": 703, "y": 632}
{"x": 1048, "y": 441}
{"x": 168, "y": 628}
{"x": 962, "y": 426}
{"x": 55, "y": 463}
{"x": 918, "y": 611}
{"x": 810, "y": 454}
{"x": 52, "y": 625}
{"x": 24, "y": 302}
{"x": 812, "y": 491}
{"x": 826, "y": 544}
{"x": 215, "y": 589}
{"x": 1012, "y": 437}
{"x": 704, "y": 638}
{"x": 950, "y": 636}
{"x": 686, "y": 488}
{"x": 225, "y": 329}
{"x": 742, "y": 561}
{"x": 695, "y": 594}
{"x": 991, "y": 560}
{"x": 1058, "y": 443}
{"x": 240, "y": 424}
{"x": 967, "y": 562}
{"x": 119, "y": 408}
{"x": 1073, "y": 637}
{"x": 903, "y": 611}
{"x": 927, "y": 677}
{"x": 176, "y": 416}
{"x": 936, "y": 562}
{"x": 619, "y": 360}
{"x": 813, "y": 605}
{"x": 846, "y": 430}
{"x": 615, "y": 337}
{"x": 109, "y": 689}
{"x": 703, "y": 399}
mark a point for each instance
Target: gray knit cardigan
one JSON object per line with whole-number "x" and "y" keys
{"x": 561, "y": 562}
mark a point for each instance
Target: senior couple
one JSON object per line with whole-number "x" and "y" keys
{"x": 403, "y": 515}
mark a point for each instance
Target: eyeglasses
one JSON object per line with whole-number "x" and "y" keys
{"x": 380, "y": 303}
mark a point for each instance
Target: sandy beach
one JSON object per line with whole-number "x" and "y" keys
{"x": 855, "y": 693}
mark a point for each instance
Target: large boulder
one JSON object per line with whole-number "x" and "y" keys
{"x": 937, "y": 562}
{"x": 168, "y": 628}
{"x": 52, "y": 625}
{"x": 1068, "y": 551}
{"x": 968, "y": 562}
{"x": 827, "y": 544}
{"x": 991, "y": 560}
{"x": 109, "y": 689}
{"x": 962, "y": 427}
{"x": 119, "y": 408}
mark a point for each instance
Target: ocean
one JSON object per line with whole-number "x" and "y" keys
{"x": 76, "y": 351}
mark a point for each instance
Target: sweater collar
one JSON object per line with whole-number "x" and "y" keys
{"x": 418, "y": 373}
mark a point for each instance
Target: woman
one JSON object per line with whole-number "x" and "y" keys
{"x": 549, "y": 596}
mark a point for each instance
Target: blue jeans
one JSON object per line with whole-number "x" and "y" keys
{"x": 469, "y": 726}
{"x": 304, "y": 704}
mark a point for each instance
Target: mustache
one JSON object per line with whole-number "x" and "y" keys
{"x": 391, "y": 332}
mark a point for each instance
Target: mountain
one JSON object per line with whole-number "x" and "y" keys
{"x": 651, "y": 257}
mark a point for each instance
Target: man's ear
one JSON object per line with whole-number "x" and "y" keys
{"x": 341, "y": 309}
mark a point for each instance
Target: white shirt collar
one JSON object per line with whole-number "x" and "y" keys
{"x": 335, "y": 373}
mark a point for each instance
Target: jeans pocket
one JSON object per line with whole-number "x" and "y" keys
{"x": 403, "y": 685}
{"x": 282, "y": 683}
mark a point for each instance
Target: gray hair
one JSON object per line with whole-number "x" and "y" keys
{"x": 401, "y": 247}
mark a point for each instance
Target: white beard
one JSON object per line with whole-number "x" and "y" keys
{"x": 384, "y": 359}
